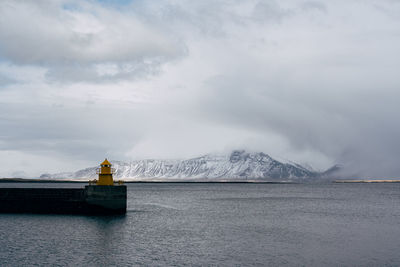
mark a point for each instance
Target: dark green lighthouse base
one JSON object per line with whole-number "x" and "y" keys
{"x": 106, "y": 198}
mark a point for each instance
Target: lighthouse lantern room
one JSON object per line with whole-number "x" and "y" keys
{"x": 105, "y": 173}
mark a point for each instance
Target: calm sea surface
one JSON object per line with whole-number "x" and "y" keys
{"x": 217, "y": 224}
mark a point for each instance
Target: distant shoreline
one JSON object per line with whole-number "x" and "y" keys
{"x": 27, "y": 180}
{"x": 30, "y": 180}
{"x": 366, "y": 181}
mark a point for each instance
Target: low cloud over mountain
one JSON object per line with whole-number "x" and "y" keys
{"x": 238, "y": 165}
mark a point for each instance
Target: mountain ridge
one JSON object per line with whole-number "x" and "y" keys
{"x": 238, "y": 165}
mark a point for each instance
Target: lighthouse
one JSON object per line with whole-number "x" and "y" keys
{"x": 103, "y": 196}
{"x": 105, "y": 173}
{"x": 99, "y": 197}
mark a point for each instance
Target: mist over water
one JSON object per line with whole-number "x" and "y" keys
{"x": 218, "y": 224}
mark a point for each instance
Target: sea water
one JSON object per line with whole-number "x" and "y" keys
{"x": 217, "y": 224}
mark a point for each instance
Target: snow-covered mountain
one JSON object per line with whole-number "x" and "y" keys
{"x": 239, "y": 165}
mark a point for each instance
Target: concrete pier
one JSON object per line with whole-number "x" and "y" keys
{"x": 90, "y": 200}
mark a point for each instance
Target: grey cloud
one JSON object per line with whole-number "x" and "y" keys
{"x": 58, "y": 38}
{"x": 314, "y": 5}
{"x": 270, "y": 10}
{"x": 82, "y": 132}
{"x": 214, "y": 74}
{"x": 98, "y": 73}
{"x": 63, "y": 36}
{"x": 356, "y": 128}
{"x": 5, "y": 80}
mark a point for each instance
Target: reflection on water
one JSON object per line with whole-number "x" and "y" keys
{"x": 218, "y": 224}
{"x": 106, "y": 230}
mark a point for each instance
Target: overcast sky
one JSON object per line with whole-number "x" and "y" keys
{"x": 314, "y": 82}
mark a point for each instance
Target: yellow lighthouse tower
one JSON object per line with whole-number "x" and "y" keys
{"x": 105, "y": 173}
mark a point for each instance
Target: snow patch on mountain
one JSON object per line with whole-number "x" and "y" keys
{"x": 238, "y": 165}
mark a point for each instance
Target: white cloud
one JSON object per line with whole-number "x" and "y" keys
{"x": 34, "y": 34}
{"x": 310, "y": 81}
{"x": 64, "y": 40}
